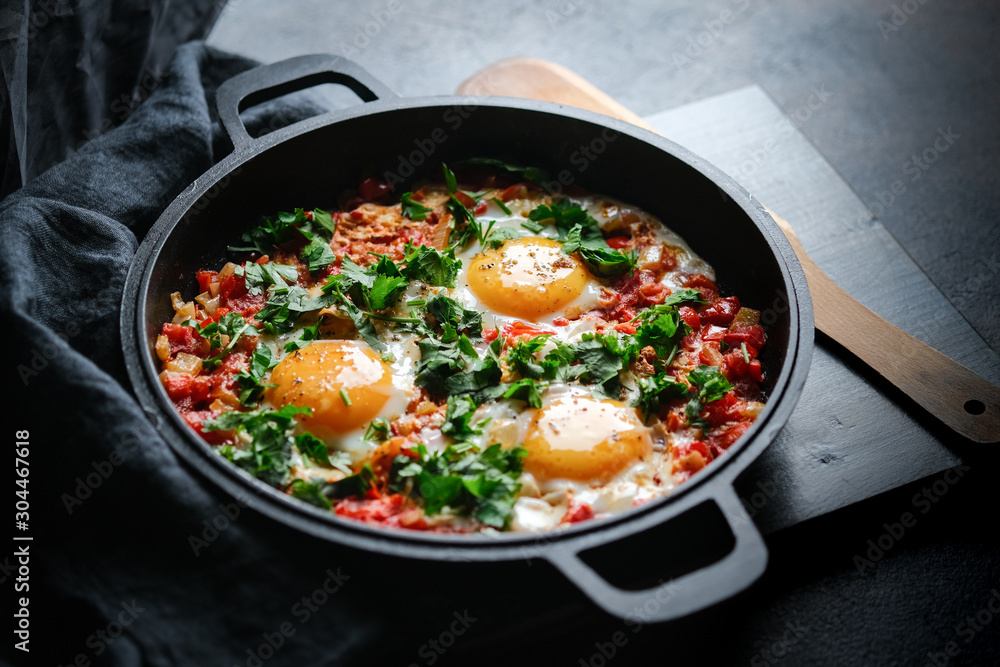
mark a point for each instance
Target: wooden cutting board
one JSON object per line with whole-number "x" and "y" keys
{"x": 810, "y": 470}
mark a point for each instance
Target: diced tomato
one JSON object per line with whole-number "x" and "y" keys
{"x": 220, "y": 312}
{"x": 654, "y": 293}
{"x": 722, "y": 312}
{"x": 721, "y": 443}
{"x": 178, "y": 385}
{"x": 205, "y": 279}
{"x": 709, "y": 290}
{"x": 391, "y": 510}
{"x": 674, "y": 422}
{"x": 467, "y": 201}
{"x": 490, "y": 335}
{"x": 560, "y": 322}
{"x": 690, "y": 317}
{"x": 625, "y": 328}
{"x": 522, "y": 330}
{"x": 186, "y": 391}
{"x": 480, "y": 208}
{"x": 232, "y": 286}
{"x": 725, "y": 410}
{"x": 736, "y": 365}
{"x": 696, "y": 446}
{"x": 713, "y": 333}
{"x": 233, "y": 295}
{"x": 516, "y": 191}
{"x": 374, "y": 189}
{"x": 619, "y": 242}
{"x": 752, "y": 336}
{"x": 184, "y": 339}
{"x": 710, "y": 354}
{"x": 576, "y": 512}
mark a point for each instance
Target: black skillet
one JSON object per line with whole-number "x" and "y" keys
{"x": 620, "y": 563}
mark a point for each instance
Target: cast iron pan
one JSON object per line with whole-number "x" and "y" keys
{"x": 616, "y": 562}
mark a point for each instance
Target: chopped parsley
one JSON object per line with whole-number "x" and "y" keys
{"x": 656, "y": 390}
{"x": 581, "y": 233}
{"x": 458, "y": 418}
{"x": 378, "y": 430}
{"x": 453, "y": 318}
{"x": 711, "y": 385}
{"x": 267, "y": 455}
{"x": 412, "y": 209}
{"x": 316, "y": 228}
{"x": 250, "y": 380}
{"x": 232, "y": 325}
{"x": 482, "y": 484}
{"x": 527, "y": 390}
{"x": 310, "y": 492}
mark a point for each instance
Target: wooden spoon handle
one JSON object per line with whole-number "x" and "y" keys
{"x": 948, "y": 390}
{"x": 945, "y": 388}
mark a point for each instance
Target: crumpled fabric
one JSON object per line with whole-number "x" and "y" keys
{"x": 71, "y": 70}
{"x": 135, "y": 559}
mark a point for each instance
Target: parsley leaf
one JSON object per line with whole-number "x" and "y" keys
{"x": 448, "y": 311}
{"x": 656, "y": 390}
{"x": 284, "y": 307}
{"x": 522, "y": 357}
{"x": 566, "y": 216}
{"x": 608, "y": 263}
{"x": 310, "y": 492}
{"x": 230, "y": 324}
{"x": 431, "y": 265}
{"x": 313, "y": 448}
{"x": 527, "y": 390}
{"x": 711, "y": 385}
{"x": 458, "y": 418}
{"x": 603, "y": 356}
{"x": 317, "y": 228}
{"x": 357, "y": 484}
{"x": 385, "y": 291}
{"x": 318, "y": 253}
{"x": 498, "y": 236}
{"x": 413, "y": 209}
{"x": 270, "y": 232}
{"x": 270, "y": 444}
{"x": 478, "y": 483}
{"x": 448, "y": 368}
{"x": 378, "y": 430}
{"x": 309, "y": 334}
{"x": 259, "y": 276}
{"x": 261, "y": 361}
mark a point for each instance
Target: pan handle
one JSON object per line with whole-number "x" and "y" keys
{"x": 683, "y": 595}
{"x": 268, "y": 82}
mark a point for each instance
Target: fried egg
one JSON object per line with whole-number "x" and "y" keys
{"x": 346, "y": 384}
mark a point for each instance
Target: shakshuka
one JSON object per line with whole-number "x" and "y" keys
{"x": 476, "y": 354}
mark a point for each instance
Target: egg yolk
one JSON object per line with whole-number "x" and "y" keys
{"x": 584, "y": 439}
{"x": 527, "y": 277}
{"x": 344, "y": 382}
